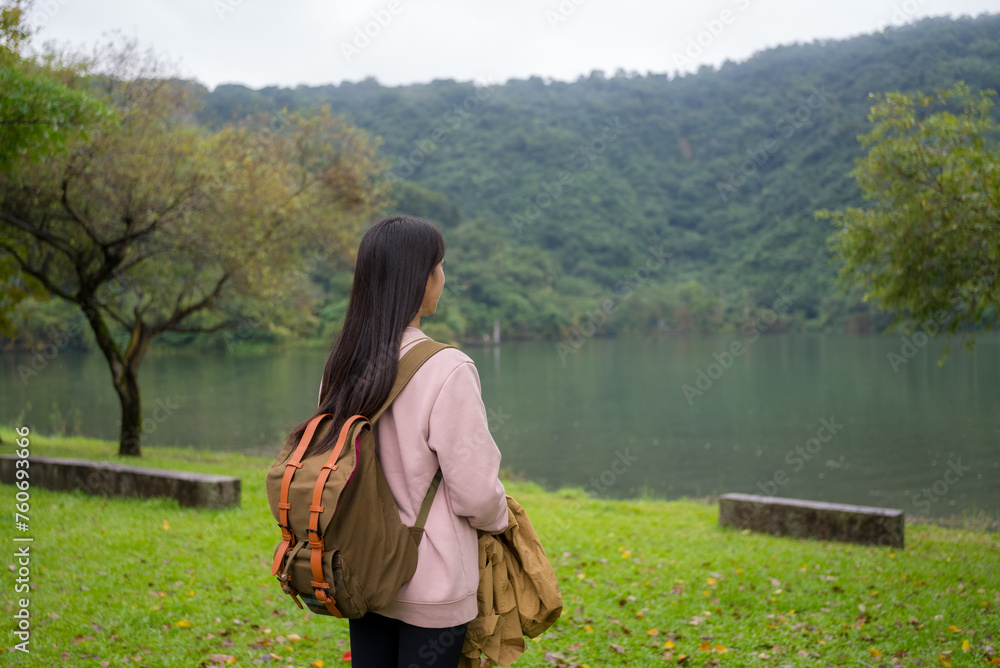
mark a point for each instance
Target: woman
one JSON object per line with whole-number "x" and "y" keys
{"x": 438, "y": 420}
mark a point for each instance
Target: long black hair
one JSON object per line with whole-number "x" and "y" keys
{"x": 395, "y": 259}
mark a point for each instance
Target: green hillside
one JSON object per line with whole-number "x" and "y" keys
{"x": 639, "y": 203}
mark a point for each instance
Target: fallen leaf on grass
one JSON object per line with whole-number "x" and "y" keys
{"x": 182, "y": 624}
{"x": 347, "y": 656}
{"x": 669, "y": 644}
{"x": 617, "y": 648}
{"x": 556, "y": 659}
{"x": 222, "y": 659}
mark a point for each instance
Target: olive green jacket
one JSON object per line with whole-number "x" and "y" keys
{"x": 518, "y": 592}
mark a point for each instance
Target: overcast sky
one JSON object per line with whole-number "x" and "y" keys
{"x": 260, "y": 43}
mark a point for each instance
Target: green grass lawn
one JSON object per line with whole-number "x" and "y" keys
{"x": 645, "y": 583}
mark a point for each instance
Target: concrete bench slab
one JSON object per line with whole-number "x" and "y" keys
{"x": 192, "y": 490}
{"x": 799, "y": 518}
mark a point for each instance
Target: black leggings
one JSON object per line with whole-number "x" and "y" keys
{"x": 381, "y": 642}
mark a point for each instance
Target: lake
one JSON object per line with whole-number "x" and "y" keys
{"x": 864, "y": 420}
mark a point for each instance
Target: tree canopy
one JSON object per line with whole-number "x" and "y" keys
{"x": 150, "y": 224}
{"x": 928, "y": 249}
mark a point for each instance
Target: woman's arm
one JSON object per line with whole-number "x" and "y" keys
{"x": 469, "y": 458}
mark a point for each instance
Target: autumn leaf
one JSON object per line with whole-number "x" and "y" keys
{"x": 875, "y": 653}
{"x": 669, "y": 644}
{"x": 966, "y": 646}
{"x": 222, "y": 659}
{"x": 653, "y": 632}
{"x": 617, "y": 648}
{"x": 347, "y": 656}
{"x": 683, "y": 658}
{"x": 705, "y": 646}
{"x": 316, "y": 664}
{"x": 182, "y": 624}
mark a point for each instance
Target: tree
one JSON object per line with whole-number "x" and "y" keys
{"x": 152, "y": 224}
{"x": 929, "y": 248}
{"x": 38, "y": 113}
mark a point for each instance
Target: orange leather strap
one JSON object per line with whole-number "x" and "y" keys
{"x": 319, "y": 584}
{"x": 295, "y": 463}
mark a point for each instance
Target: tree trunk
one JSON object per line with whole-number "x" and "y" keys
{"x": 123, "y": 375}
{"x": 127, "y": 386}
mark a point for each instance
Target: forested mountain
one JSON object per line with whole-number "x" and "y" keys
{"x": 640, "y": 203}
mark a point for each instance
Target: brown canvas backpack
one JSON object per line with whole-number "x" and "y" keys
{"x": 344, "y": 550}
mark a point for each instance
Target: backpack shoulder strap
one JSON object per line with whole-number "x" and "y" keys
{"x": 425, "y": 507}
{"x": 408, "y": 365}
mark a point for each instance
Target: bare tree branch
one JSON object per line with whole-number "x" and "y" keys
{"x": 62, "y": 244}
{"x": 38, "y": 273}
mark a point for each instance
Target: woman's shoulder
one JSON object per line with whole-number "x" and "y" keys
{"x": 449, "y": 358}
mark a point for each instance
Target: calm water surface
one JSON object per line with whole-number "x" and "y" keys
{"x": 805, "y": 416}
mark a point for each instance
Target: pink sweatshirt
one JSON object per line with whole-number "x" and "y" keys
{"x": 439, "y": 420}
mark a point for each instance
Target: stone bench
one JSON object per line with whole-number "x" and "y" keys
{"x": 812, "y": 519}
{"x": 192, "y": 490}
